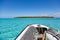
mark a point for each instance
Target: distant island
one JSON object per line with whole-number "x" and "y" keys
{"x": 34, "y": 17}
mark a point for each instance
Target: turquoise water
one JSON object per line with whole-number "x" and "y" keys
{"x": 11, "y": 27}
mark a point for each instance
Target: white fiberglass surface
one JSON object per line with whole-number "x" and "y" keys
{"x": 50, "y": 37}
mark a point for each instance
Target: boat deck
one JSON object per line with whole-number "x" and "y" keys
{"x": 27, "y": 34}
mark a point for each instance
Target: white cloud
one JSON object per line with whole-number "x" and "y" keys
{"x": 57, "y": 14}
{"x": 44, "y": 14}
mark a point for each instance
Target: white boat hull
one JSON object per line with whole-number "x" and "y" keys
{"x": 27, "y": 34}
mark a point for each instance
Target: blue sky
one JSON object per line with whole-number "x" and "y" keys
{"x": 12, "y": 8}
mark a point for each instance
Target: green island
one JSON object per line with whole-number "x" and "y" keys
{"x": 34, "y": 17}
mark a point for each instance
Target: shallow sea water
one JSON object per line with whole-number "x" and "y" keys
{"x": 11, "y": 27}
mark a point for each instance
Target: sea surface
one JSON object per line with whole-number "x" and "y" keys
{"x": 11, "y": 27}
